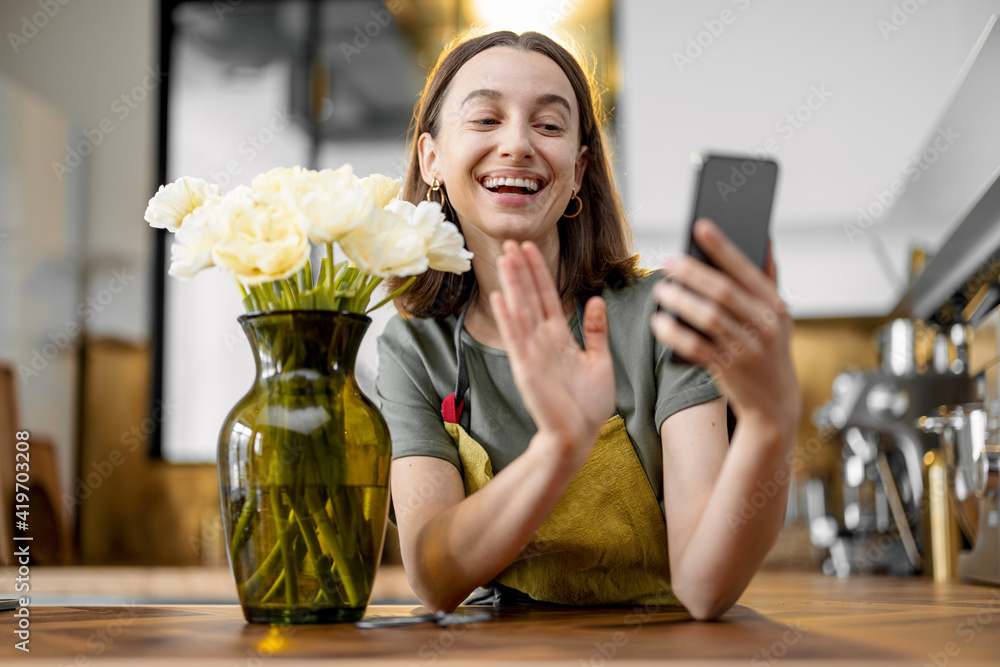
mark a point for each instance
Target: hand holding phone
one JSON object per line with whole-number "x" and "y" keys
{"x": 737, "y": 194}
{"x": 746, "y": 347}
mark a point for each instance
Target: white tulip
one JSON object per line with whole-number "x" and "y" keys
{"x": 333, "y": 203}
{"x": 382, "y": 188}
{"x": 263, "y": 239}
{"x": 277, "y": 178}
{"x": 174, "y": 201}
{"x": 191, "y": 250}
{"x": 388, "y": 245}
{"x": 445, "y": 244}
{"x": 446, "y": 250}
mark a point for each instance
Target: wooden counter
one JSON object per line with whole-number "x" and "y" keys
{"x": 791, "y": 618}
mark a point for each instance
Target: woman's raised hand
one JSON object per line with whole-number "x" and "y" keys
{"x": 749, "y": 329}
{"x": 568, "y": 391}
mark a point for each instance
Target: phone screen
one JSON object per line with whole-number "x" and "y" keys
{"x": 736, "y": 193}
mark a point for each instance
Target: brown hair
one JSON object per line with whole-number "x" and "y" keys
{"x": 592, "y": 247}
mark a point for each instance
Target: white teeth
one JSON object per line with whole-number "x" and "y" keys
{"x": 495, "y": 182}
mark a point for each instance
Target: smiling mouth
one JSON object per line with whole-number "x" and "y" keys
{"x": 512, "y": 186}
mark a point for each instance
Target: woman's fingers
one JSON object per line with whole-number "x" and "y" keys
{"x": 527, "y": 295}
{"x": 700, "y": 313}
{"x": 713, "y": 284}
{"x": 520, "y": 296}
{"x": 728, "y": 257}
{"x": 515, "y": 299}
{"x": 770, "y": 268}
{"x": 595, "y": 326}
{"x": 685, "y": 342}
{"x": 545, "y": 287}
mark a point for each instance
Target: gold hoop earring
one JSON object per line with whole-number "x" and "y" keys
{"x": 579, "y": 205}
{"x": 436, "y": 187}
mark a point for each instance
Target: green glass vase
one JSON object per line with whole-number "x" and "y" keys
{"x": 304, "y": 473}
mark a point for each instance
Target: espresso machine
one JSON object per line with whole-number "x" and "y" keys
{"x": 970, "y": 445}
{"x": 885, "y": 524}
{"x": 926, "y": 444}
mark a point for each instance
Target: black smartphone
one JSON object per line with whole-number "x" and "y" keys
{"x": 737, "y": 194}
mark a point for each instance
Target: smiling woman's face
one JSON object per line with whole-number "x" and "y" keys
{"x": 508, "y": 146}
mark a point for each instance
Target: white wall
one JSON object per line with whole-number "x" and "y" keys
{"x": 84, "y": 58}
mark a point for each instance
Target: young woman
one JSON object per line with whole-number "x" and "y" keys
{"x": 545, "y": 449}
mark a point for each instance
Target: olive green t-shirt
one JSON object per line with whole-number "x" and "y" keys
{"x": 418, "y": 368}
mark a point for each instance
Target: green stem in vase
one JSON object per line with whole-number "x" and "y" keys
{"x": 243, "y": 524}
{"x": 328, "y": 535}
{"x": 273, "y": 302}
{"x": 330, "y": 270}
{"x": 307, "y": 530}
{"x": 247, "y": 298}
{"x": 279, "y": 581}
{"x": 259, "y": 297}
{"x": 291, "y": 293}
{"x": 321, "y": 562}
{"x": 360, "y": 302}
{"x": 393, "y": 295}
{"x": 346, "y": 517}
{"x": 275, "y": 587}
{"x": 253, "y": 582}
{"x": 305, "y": 278}
{"x": 287, "y": 560}
{"x": 243, "y": 290}
{"x": 349, "y": 287}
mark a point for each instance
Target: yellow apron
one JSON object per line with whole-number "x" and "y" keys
{"x": 605, "y": 541}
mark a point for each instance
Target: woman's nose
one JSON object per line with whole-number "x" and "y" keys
{"x": 515, "y": 141}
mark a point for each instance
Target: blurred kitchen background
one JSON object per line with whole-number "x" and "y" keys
{"x": 882, "y": 113}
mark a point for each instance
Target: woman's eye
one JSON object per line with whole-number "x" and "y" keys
{"x": 549, "y": 127}
{"x": 486, "y": 121}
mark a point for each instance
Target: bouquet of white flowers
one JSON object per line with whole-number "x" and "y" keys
{"x": 263, "y": 236}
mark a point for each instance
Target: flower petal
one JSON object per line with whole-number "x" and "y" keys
{"x": 174, "y": 201}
